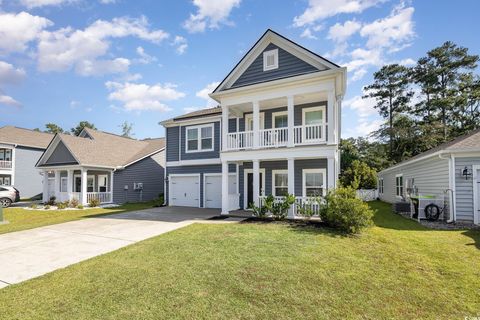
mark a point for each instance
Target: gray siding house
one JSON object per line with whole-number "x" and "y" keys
{"x": 276, "y": 131}
{"x": 450, "y": 172}
{"x": 103, "y": 166}
{"x": 20, "y": 150}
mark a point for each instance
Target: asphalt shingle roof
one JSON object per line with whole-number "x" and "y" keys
{"x": 24, "y": 137}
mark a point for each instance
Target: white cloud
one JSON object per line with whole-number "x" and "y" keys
{"x": 320, "y": 9}
{"x": 9, "y": 101}
{"x": 108, "y": 1}
{"x": 181, "y": 44}
{"x": 139, "y": 97}
{"x": 307, "y": 33}
{"x": 363, "y": 107}
{"x": 204, "y": 94}
{"x": 131, "y": 77}
{"x": 17, "y": 30}
{"x": 82, "y": 49}
{"x": 41, "y": 3}
{"x": 210, "y": 13}
{"x": 145, "y": 58}
{"x": 9, "y": 74}
{"x": 341, "y": 32}
{"x": 364, "y": 128}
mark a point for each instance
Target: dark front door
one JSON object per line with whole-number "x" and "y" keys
{"x": 250, "y": 187}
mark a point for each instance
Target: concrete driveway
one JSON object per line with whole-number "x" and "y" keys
{"x": 31, "y": 253}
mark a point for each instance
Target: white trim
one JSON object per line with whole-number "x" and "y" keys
{"x": 381, "y": 186}
{"x": 313, "y": 109}
{"x": 215, "y": 175}
{"x": 199, "y": 137}
{"x": 245, "y": 185}
{"x": 274, "y": 54}
{"x": 400, "y": 175}
{"x": 61, "y": 180}
{"x": 279, "y": 114}
{"x": 187, "y": 122}
{"x": 193, "y": 162}
{"x": 299, "y": 152}
{"x": 274, "y": 172}
{"x": 261, "y": 122}
{"x": 182, "y": 175}
{"x": 94, "y": 184}
{"x": 148, "y": 155}
{"x": 476, "y": 213}
{"x": 106, "y": 182}
{"x": 12, "y": 169}
{"x": 319, "y": 170}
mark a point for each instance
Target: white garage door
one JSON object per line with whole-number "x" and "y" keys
{"x": 184, "y": 191}
{"x": 213, "y": 190}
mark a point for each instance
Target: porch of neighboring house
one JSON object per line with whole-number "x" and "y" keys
{"x": 83, "y": 184}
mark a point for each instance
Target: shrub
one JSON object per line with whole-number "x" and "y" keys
{"x": 94, "y": 202}
{"x": 51, "y": 201}
{"x": 46, "y": 207}
{"x": 159, "y": 202}
{"x": 279, "y": 210}
{"x": 306, "y": 210}
{"x": 344, "y": 210}
{"x": 359, "y": 176}
{"x": 74, "y": 203}
{"x": 63, "y": 205}
{"x": 34, "y": 206}
{"x": 80, "y": 206}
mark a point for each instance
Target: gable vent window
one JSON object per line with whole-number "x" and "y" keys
{"x": 270, "y": 60}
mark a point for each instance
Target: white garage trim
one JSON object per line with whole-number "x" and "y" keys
{"x": 205, "y": 175}
{"x": 170, "y": 176}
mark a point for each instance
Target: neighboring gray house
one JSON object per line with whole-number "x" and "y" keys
{"x": 20, "y": 150}
{"x": 450, "y": 171}
{"x": 276, "y": 131}
{"x": 104, "y": 166}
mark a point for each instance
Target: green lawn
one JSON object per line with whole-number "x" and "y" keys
{"x": 397, "y": 269}
{"x": 22, "y": 219}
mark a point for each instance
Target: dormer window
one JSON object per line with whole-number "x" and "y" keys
{"x": 270, "y": 60}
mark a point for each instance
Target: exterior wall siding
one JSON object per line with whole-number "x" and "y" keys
{"x": 430, "y": 177}
{"x": 147, "y": 171}
{"x": 288, "y": 66}
{"x": 464, "y": 188}
{"x": 61, "y": 155}
{"x": 173, "y": 134}
{"x": 215, "y": 154}
{"x": 27, "y": 178}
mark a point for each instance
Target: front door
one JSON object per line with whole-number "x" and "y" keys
{"x": 250, "y": 187}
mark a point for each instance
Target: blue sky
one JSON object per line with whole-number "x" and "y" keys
{"x": 110, "y": 61}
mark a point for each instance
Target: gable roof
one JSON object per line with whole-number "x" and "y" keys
{"x": 469, "y": 142}
{"x": 267, "y": 38}
{"x": 195, "y": 114}
{"x": 105, "y": 149}
{"x": 24, "y": 137}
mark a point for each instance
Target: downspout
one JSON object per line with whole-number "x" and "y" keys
{"x": 451, "y": 186}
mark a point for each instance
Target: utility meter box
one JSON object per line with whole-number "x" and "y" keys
{"x": 138, "y": 186}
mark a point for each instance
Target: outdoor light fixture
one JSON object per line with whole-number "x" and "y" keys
{"x": 466, "y": 173}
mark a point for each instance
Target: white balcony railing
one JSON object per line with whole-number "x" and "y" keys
{"x": 103, "y": 197}
{"x": 5, "y": 164}
{"x": 277, "y": 137}
{"x": 311, "y": 203}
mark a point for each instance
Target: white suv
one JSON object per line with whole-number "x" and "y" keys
{"x": 8, "y": 195}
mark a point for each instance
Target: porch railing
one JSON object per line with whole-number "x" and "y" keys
{"x": 103, "y": 197}
{"x": 311, "y": 203}
{"x": 5, "y": 164}
{"x": 278, "y": 137}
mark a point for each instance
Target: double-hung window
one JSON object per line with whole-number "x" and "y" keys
{"x": 314, "y": 182}
{"x": 199, "y": 138}
{"x": 280, "y": 183}
{"x": 314, "y": 123}
{"x": 399, "y": 185}
{"x": 380, "y": 185}
{"x": 63, "y": 184}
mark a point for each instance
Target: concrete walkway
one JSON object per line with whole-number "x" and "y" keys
{"x": 31, "y": 253}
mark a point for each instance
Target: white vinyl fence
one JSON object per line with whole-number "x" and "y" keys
{"x": 367, "y": 194}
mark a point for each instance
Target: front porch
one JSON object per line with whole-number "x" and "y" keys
{"x": 82, "y": 184}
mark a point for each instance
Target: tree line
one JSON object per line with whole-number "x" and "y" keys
{"x": 126, "y": 128}
{"x": 432, "y": 102}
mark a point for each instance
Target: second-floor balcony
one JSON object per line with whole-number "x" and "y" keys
{"x": 277, "y": 137}
{"x": 5, "y": 164}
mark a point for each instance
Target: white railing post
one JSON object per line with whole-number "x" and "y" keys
{"x": 291, "y": 185}
{"x": 256, "y": 182}
{"x": 57, "y": 184}
{"x": 331, "y": 117}
{"x": 256, "y": 124}
{"x": 69, "y": 184}
{"x": 83, "y": 190}
{"x": 224, "y": 127}
{"x": 225, "y": 197}
{"x": 290, "y": 120}
{"x": 112, "y": 173}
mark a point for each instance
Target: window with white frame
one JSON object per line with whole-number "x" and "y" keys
{"x": 102, "y": 183}
{"x": 280, "y": 119}
{"x": 380, "y": 185}
{"x": 314, "y": 182}
{"x": 63, "y": 184}
{"x": 5, "y": 155}
{"x": 280, "y": 182}
{"x": 270, "y": 60}
{"x": 199, "y": 138}
{"x": 314, "y": 116}
{"x": 399, "y": 185}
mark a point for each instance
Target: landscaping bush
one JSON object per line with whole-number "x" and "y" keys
{"x": 344, "y": 210}
{"x": 160, "y": 201}
{"x": 51, "y": 201}
{"x": 306, "y": 210}
{"x": 80, "y": 206}
{"x": 46, "y": 207}
{"x": 34, "y": 206}
{"x": 63, "y": 205}
{"x": 74, "y": 203}
{"x": 94, "y": 202}
{"x": 278, "y": 210}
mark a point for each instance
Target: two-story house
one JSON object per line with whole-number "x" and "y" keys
{"x": 276, "y": 131}
{"x": 20, "y": 150}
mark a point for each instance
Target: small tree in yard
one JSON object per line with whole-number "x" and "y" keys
{"x": 344, "y": 210}
{"x": 359, "y": 176}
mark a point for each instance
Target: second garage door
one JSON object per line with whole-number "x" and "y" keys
{"x": 184, "y": 191}
{"x": 213, "y": 190}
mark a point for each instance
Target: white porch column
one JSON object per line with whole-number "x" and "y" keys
{"x": 291, "y": 184}
{"x": 256, "y": 124}
{"x": 225, "y": 204}
{"x": 45, "y": 186}
{"x": 331, "y": 180}
{"x": 331, "y": 118}
{"x": 224, "y": 138}
{"x": 57, "y": 185}
{"x": 112, "y": 173}
{"x": 84, "y": 187}
{"x": 70, "y": 184}
{"x": 256, "y": 182}
{"x": 291, "y": 122}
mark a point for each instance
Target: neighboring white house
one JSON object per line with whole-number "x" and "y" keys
{"x": 276, "y": 131}
{"x": 451, "y": 170}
